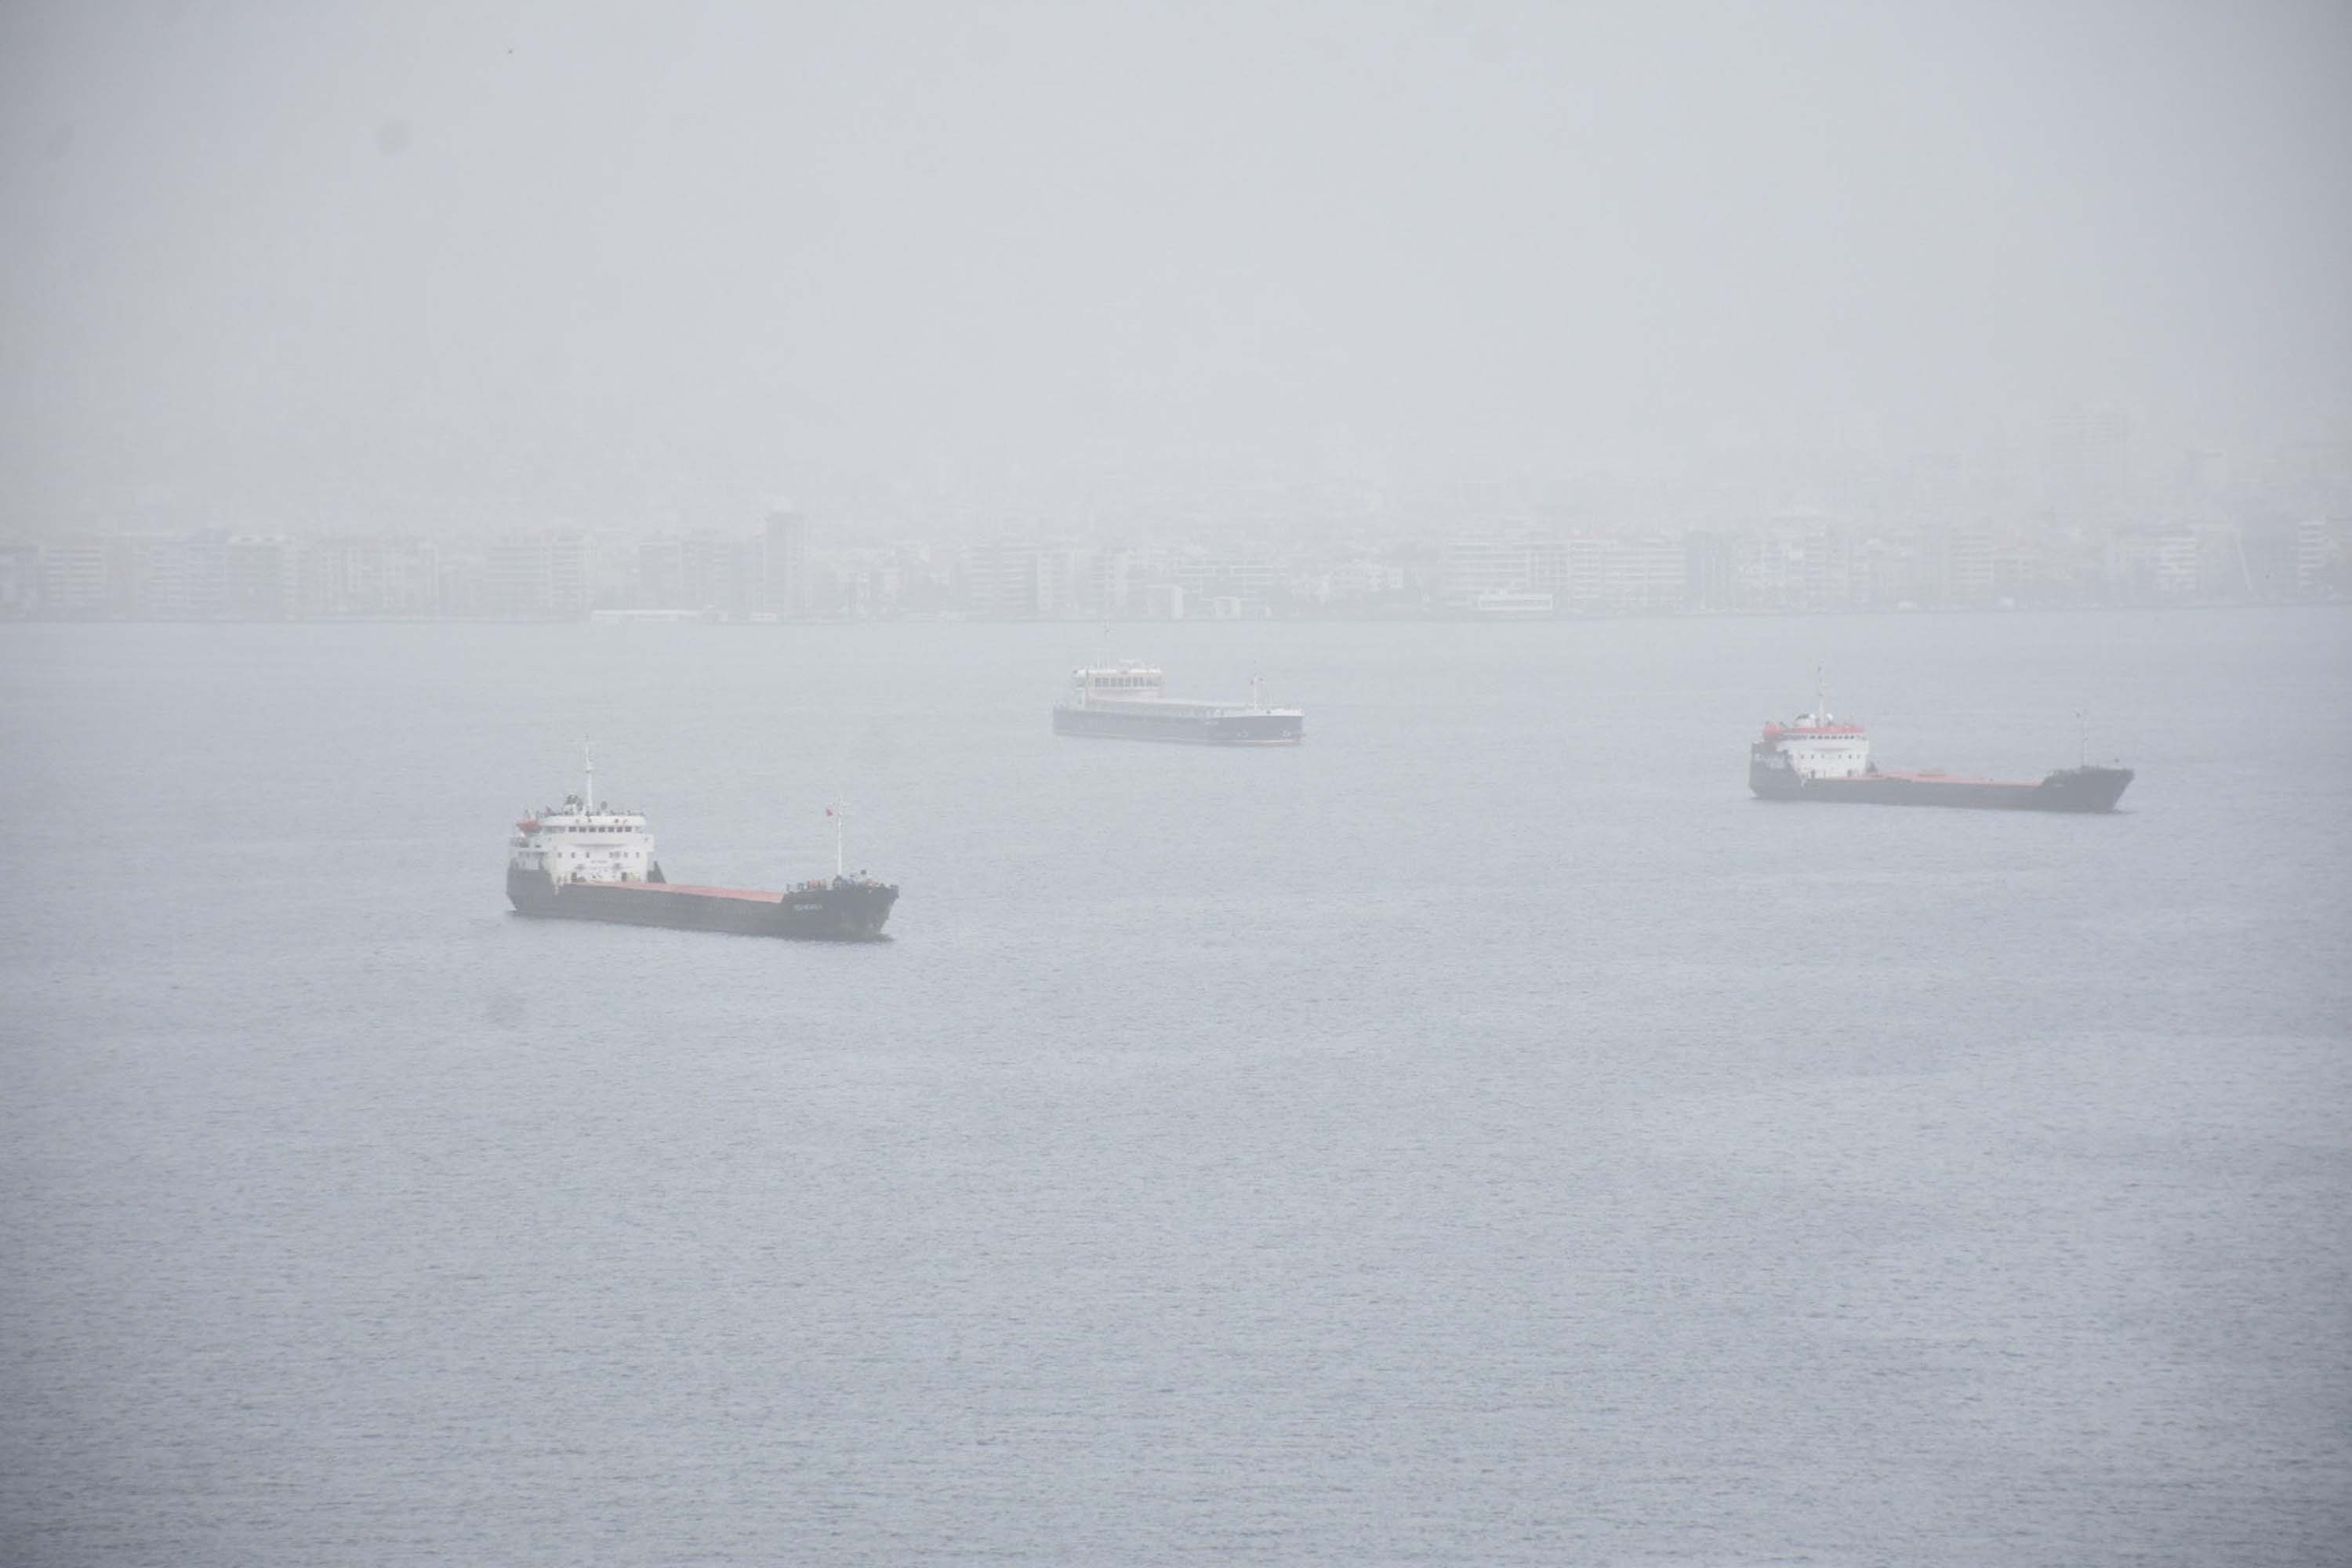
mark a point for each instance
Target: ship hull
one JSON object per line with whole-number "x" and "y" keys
{"x": 1191, "y": 728}
{"x": 851, "y": 911}
{"x": 2069, "y": 789}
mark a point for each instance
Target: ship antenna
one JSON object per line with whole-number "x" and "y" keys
{"x": 588, "y": 766}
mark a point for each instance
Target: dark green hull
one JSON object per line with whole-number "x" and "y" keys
{"x": 841, "y": 911}
{"x": 2082, "y": 789}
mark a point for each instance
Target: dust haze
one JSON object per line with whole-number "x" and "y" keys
{"x": 867, "y": 782}
{"x": 966, "y": 269}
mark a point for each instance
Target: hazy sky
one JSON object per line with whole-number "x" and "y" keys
{"x": 302, "y": 264}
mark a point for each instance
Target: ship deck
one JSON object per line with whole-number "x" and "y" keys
{"x": 746, "y": 893}
{"x": 1158, "y": 707}
{"x": 1175, "y": 707}
{"x": 1904, "y": 777}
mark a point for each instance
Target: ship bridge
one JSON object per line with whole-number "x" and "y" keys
{"x": 584, "y": 840}
{"x": 1819, "y": 746}
{"x": 1143, "y": 689}
{"x": 1120, "y": 683}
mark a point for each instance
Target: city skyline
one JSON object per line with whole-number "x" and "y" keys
{"x": 789, "y": 569}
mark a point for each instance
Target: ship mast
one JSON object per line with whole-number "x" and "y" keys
{"x": 588, "y": 766}
{"x": 840, "y": 835}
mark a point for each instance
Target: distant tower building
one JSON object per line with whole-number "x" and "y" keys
{"x": 1707, "y": 580}
{"x": 2179, "y": 559}
{"x": 1967, "y": 563}
{"x": 2314, "y": 555}
{"x": 261, "y": 578}
{"x": 77, "y": 576}
{"x": 20, "y": 578}
{"x": 1474, "y": 567}
{"x": 2087, "y": 467}
{"x": 717, "y": 573}
{"x": 524, "y": 576}
{"x": 1009, "y": 580}
{"x": 787, "y": 562}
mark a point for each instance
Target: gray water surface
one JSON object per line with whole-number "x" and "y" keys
{"x": 1483, "y": 1134}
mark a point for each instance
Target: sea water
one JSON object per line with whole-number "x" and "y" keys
{"x": 1484, "y": 1133}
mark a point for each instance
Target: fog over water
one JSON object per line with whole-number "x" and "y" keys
{"x": 1485, "y": 1132}
{"x": 1482, "y": 1133}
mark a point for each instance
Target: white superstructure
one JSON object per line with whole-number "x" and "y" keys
{"x": 1143, "y": 688}
{"x": 1116, "y": 684}
{"x": 584, "y": 840}
{"x": 1819, "y": 746}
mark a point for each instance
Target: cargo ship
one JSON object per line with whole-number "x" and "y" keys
{"x": 587, "y": 859}
{"x": 1130, "y": 702}
{"x": 1820, "y": 757}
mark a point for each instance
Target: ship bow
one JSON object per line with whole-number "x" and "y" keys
{"x": 2089, "y": 789}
